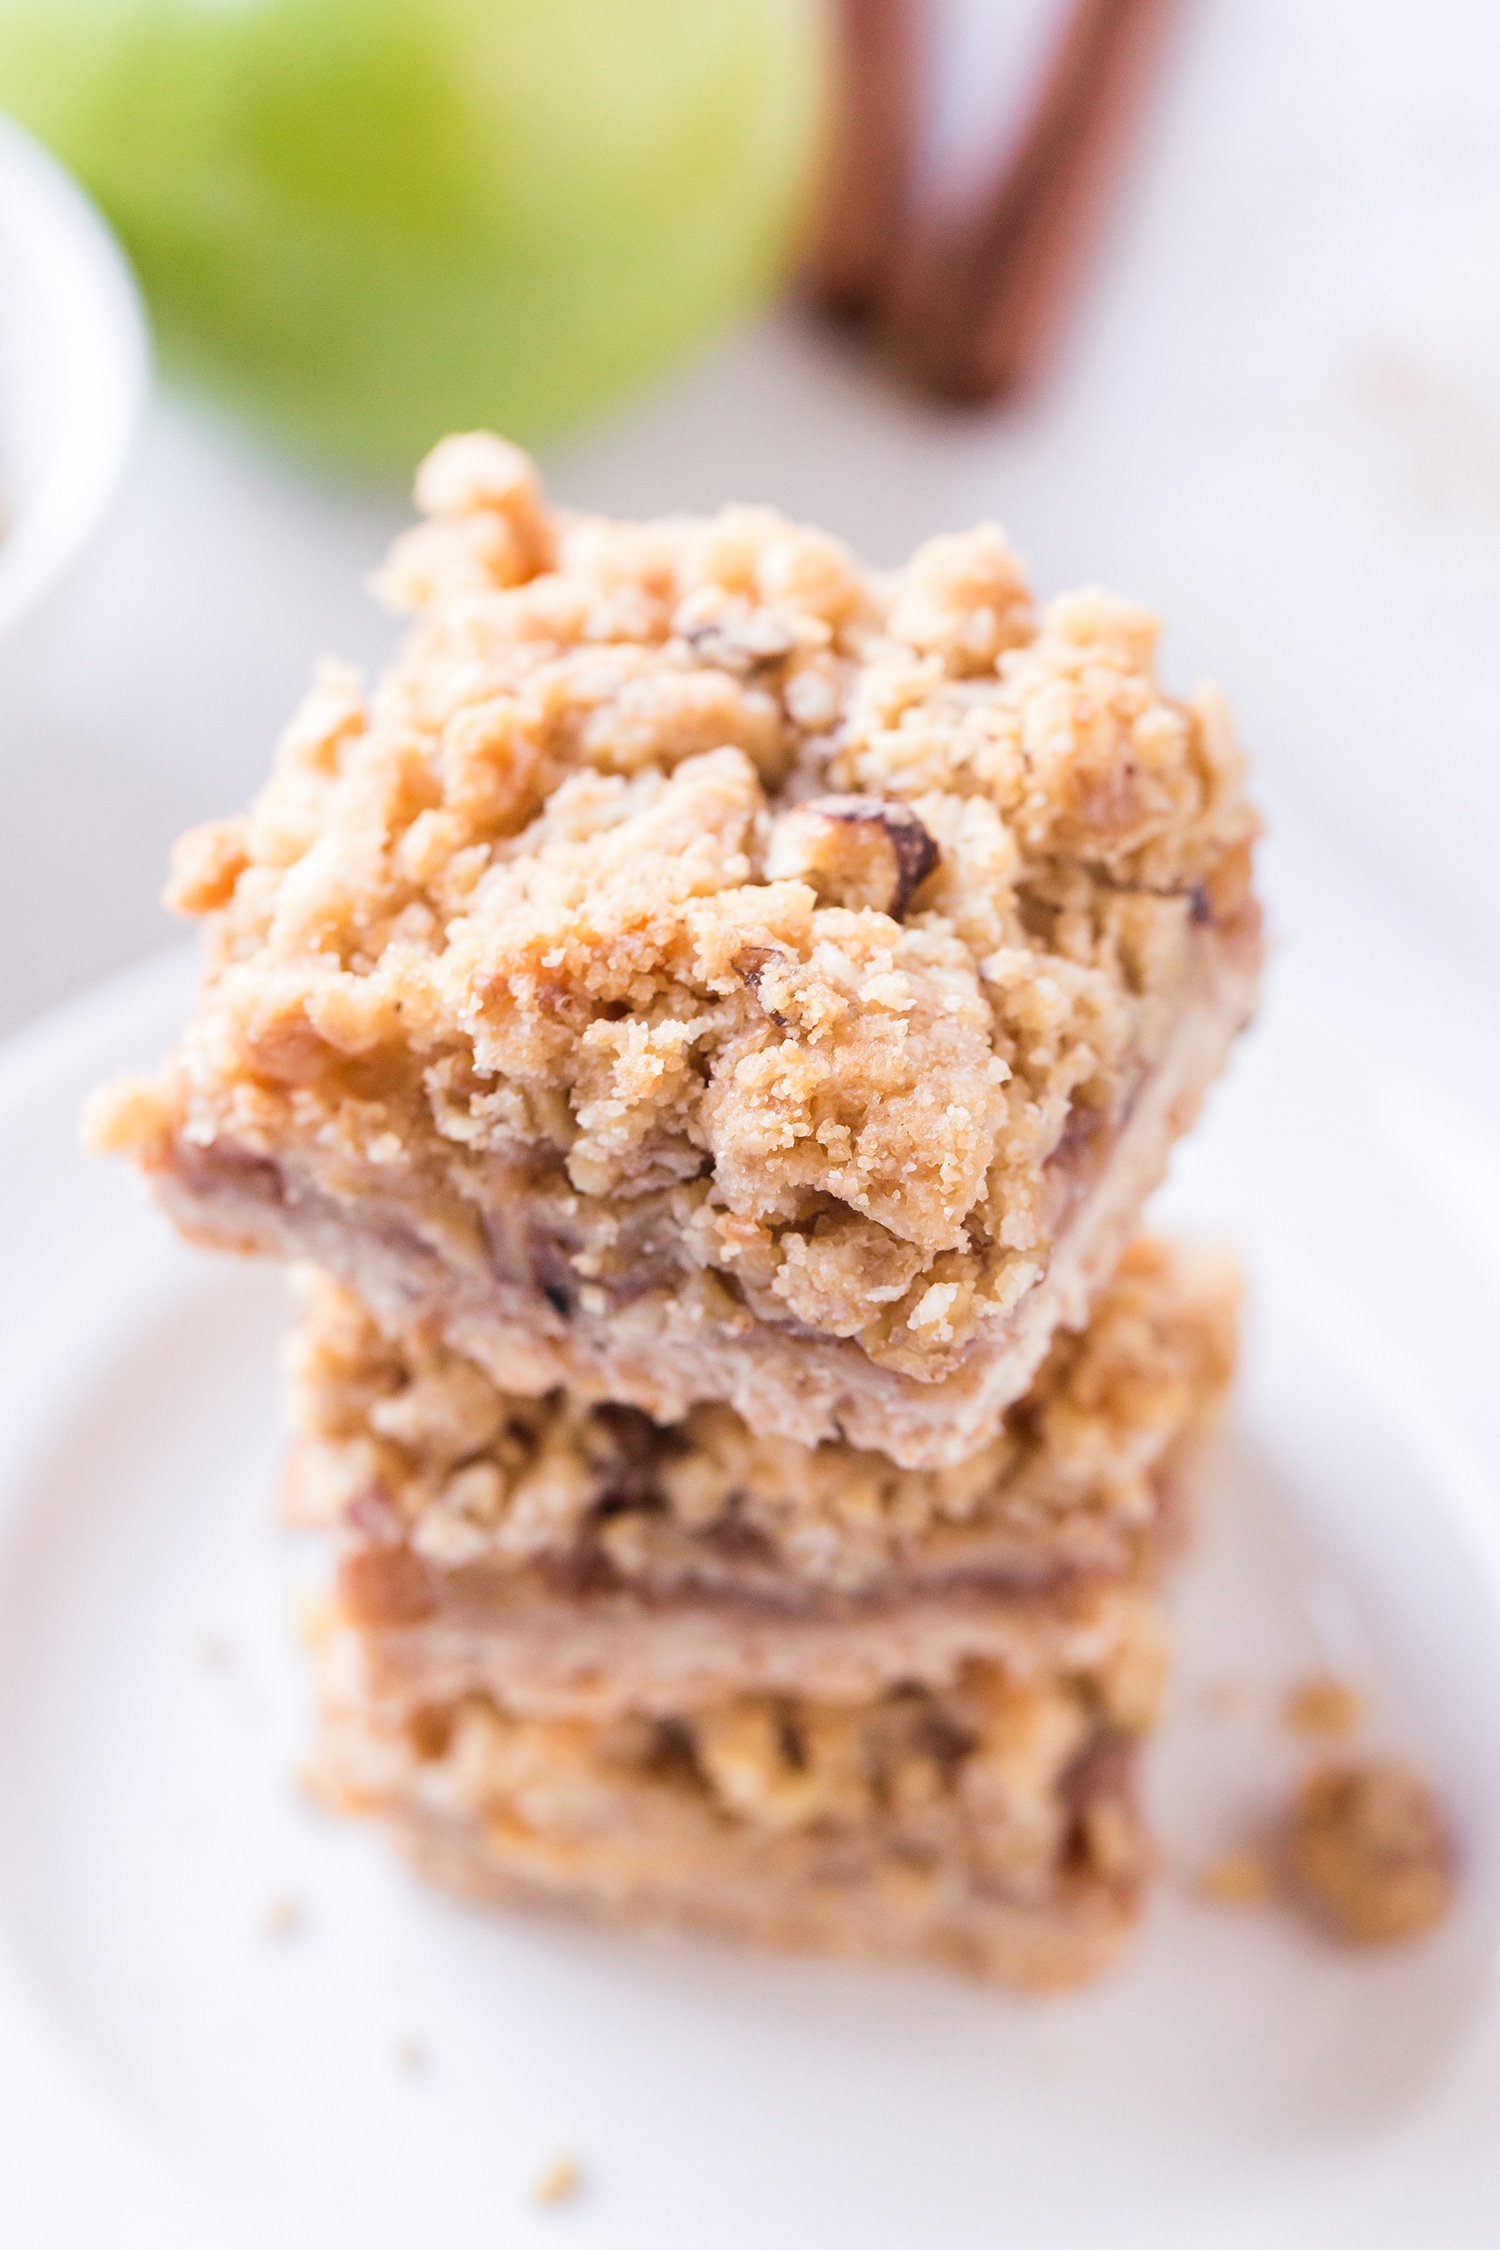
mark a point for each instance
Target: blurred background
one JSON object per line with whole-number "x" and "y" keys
{"x": 1202, "y": 301}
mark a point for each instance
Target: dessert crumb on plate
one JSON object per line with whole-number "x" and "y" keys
{"x": 284, "y": 1917}
{"x": 559, "y": 2183}
{"x": 1364, "y": 1850}
{"x": 1323, "y": 1703}
{"x": 1239, "y": 1878}
{"x": 1368, "y": 1849}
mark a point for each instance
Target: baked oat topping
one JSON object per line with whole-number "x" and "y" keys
{"x": 777, "y": 933}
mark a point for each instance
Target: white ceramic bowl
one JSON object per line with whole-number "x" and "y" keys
{"x": 74, "y": 366}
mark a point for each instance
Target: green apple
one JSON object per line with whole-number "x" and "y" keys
{"x": 371, "y": 221}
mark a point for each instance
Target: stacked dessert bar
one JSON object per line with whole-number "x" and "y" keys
{"x": 705, "y": 1027}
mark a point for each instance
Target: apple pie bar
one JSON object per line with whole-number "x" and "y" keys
{"x": 705, "y": 970}
{"x": 990, "y": 1825}
{"x": 574, "y": 1559}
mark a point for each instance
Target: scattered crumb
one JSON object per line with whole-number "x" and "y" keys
{"x": 213, "y": 1651}
{"x": 411, "y": 2055}
{"x": 1368, "y": 1850}
{"x": 283, "y": 1918}
{"x": 1243, "y": 1878}
{"x": 559, "y": 2183}
{"x": 1223, "y": 1699}
{"x": 312, "y": 1618}
{"x": 1325, "y": 1704}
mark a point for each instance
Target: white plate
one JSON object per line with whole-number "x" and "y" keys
{"x": 172, "y": 2073}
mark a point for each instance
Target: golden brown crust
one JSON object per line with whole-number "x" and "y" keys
{"x": 685, "y": 882}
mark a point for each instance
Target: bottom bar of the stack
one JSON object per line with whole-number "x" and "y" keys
{"x": 990, "y": 1825}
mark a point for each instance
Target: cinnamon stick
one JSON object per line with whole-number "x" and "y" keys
{"x": 866, "y": 200}
{"x": 970, "y": 305}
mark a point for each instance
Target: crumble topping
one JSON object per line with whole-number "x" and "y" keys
{"x": 696, "y": 885}
{"x": 411, "y": 1442}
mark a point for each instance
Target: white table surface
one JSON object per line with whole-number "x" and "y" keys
{"x": 1277, "y": 417}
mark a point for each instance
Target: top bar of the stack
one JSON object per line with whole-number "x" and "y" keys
{"x": 705, "y": 969}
